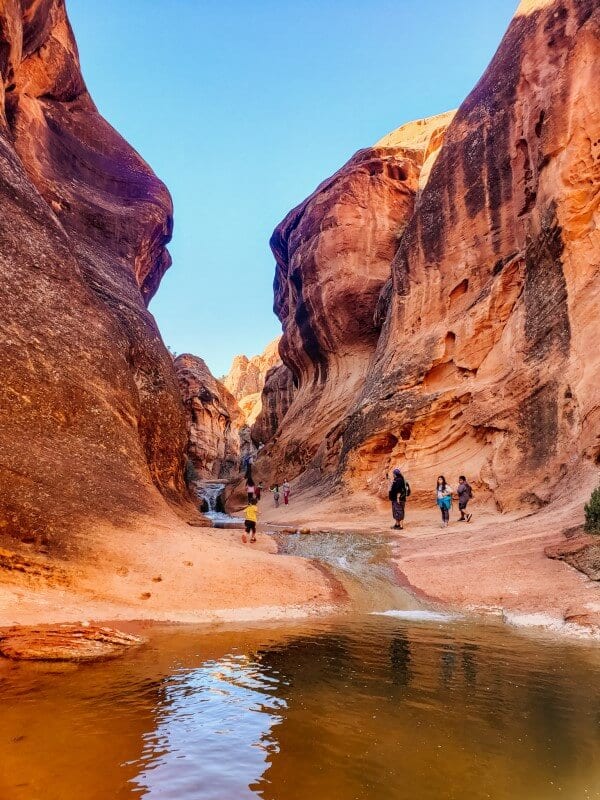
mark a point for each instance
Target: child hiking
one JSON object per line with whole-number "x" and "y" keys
{"x": 250, "y": 520}
{"x": 286, "y": 488}
{"x": 465, "y": 493}
{"x": 275, "y": 491}
{"x": 443, "y": 494}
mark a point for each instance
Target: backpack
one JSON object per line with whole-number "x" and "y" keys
{"x": 407, "y": 487}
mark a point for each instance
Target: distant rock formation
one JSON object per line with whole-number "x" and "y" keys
{"x": 91, "y": 423}
{"x": 486, "y": 361}
{"x": 213, "y": 419}
{"x": 246, "y": 378}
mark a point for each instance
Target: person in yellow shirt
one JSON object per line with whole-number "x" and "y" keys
{"x": 250, "y": 520}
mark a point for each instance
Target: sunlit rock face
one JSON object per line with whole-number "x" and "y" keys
{"x": 480, "y": 357}
{"x": 213, "y": 419}
{"x": 277, "y": 395}
{"x": 91, "y": 423}
{"x": 246, "y": 378}
{"x": 487, "y": 362}
{"x": 333, "y": 256}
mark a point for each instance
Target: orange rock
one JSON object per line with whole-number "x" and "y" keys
{"x": 91, "y": 421}
{"x": 214, "y": 419}
{"x": 481, "y": 357}
{"x": 333, "y": 256}
{"x": 65, "y": 643}
{"x": 246, "y": 379}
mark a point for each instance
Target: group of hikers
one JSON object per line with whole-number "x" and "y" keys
{"x": 400, "y": 492}
{"x": 254, "y": 492}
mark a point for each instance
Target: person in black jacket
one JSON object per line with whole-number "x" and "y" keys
{"x": 397, "y": 495}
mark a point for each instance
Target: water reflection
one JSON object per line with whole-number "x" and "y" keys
{"x": 369, "y": 708}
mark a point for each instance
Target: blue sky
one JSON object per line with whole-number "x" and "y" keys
{"x": 243, "y": 107}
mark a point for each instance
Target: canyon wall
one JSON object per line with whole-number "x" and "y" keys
{"x": 276, "y": 398}
{"x": 333, "y": 256}
{"x": 91, "y": 424}
{"x": 246, "y": 378}
{"x": 486, "y": 360}
{"x": 214, "y": 419}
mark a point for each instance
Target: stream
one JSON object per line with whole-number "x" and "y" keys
{"x": 391, "y": 701}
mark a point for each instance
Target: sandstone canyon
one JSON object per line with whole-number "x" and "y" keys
{"x": 92, "y": 423}
{"x": 93, "y": 431}
{"x": 439, "y": 294}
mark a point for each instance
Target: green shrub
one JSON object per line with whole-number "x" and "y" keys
{"x": 592, "y": 512}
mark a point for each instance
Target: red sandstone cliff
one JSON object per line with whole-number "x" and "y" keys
{"x": 276, "y": 398}
{"x": 246, "y": 378}
{"x": 91, "y": 423}
{"x": 214, "y": 419}
{"x": 486, "y": 362}
{"x": 333, "y": 257}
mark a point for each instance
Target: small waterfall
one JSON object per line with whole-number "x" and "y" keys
{"x": 211, "y": 493}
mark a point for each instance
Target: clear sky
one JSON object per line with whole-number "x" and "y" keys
{"x": 243, "y": 106}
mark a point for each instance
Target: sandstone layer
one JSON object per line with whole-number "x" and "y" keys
{"x": 213, "y": 419}
{"x": 276, "y": 398}
{"x": 484, "y": 363}
{"x": 246, "y": 378}
{"x": 91, "y": 424}
{"x": 333, "y": 256}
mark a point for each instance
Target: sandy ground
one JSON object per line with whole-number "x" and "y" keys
{"x": 494, "y": 564}
{"x": 168, "y": 572}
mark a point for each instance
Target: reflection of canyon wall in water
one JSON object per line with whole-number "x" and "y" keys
{"x": 486, "y": 362}
{"x": 414, "y": 698}
{"x": 91, "y": 424}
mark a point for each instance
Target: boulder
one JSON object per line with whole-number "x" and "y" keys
{"x": 65, "y": 643}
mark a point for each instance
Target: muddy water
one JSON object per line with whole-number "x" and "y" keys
{"x": 417, "y": 705}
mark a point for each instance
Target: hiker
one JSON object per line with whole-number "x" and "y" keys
{"x": 250, "y": 490}
{"x": 250, "y": 520}
{"x": 465, "y": 493}
{"x": 275, "y": 490}
{"x": 286, "y": 488}
{"x": 398, "y": 494}
{"x": 258, "y": 491}
{"x": 443, "y": 494}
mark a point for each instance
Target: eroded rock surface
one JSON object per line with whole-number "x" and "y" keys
{"x": 485, "y": 362}
{"x": 65, "y": 643}
{"x": 91, "y": 423}
{"x": 213, "y": 417}
{"x": 484, "y": 365}
{"x": 333, "y": 256}
{"x": 246, "y": 379}
{"x": 276, "y": 399}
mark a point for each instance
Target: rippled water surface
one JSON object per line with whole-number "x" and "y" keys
{"x": 363, "y": 707}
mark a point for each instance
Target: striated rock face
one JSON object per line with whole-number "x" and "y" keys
{"x": 66, "y": 643}
{"x": 91, "y": 423}
{"x": 277, "y": 396}
{"x": 485, "y": 364}
{"x": 246, "y": 378}
{"x": 486, "y": 360}
{"x": 214, "y": 419}
{"x": 333, "y": 256}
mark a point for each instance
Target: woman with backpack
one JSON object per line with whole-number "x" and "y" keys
{"x": 443, "y": 494}
{"x": 398, "y": 493}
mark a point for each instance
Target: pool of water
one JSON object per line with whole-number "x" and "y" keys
{"x": 397, "y": 701}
